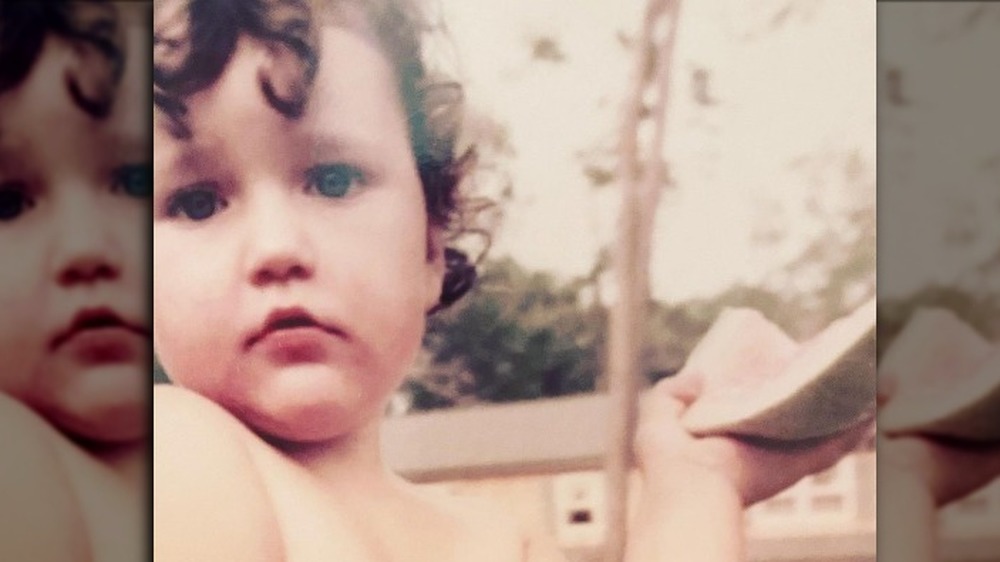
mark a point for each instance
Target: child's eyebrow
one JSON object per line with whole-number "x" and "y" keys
{"x": 131, "y": 143}
{"x": 188, "y": 158}
{"x": 343, "y": 143}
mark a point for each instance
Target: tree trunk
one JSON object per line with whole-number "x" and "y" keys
{"x": 642, "y": 175}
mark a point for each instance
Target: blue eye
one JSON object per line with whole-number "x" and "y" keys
{"x": 334, "y": 180}
{"x": 134, "y": 180}
{"x": 14, "y": 201}
{"x": 197, "y": 203}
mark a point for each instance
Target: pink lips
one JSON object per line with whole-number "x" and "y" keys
{"x": 288, "y": 319}
{"x": 94, "y": 319}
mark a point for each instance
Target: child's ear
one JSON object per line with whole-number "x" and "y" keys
{"x": 435, "y": 266}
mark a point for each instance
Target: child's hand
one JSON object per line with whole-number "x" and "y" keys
{"x": 948, "y": 470}
{"x": 755, "y": 471}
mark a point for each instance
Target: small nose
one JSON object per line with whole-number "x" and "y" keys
{"x": 279, "y": 251}
{"x": 280, "y": 268}
{"x": 87, "y": 269}
{"x": 86, "y": 251}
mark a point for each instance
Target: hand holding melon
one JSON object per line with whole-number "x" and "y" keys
{"x": 759, "y": 410}
{"x": 761, "y": 384}
{"x": 939, "y": 415}
{"x": 946, "y": 380}
{"x": 754, "y": 470}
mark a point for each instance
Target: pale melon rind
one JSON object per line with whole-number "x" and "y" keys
{"x": 743, "y": 340}
{"x": 947, "y": 377}
{"x": 970, "y": 411}
{"x": 934, "y": 351}
{"x": 827, "y": 387}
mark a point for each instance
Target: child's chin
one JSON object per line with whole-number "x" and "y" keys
{"x": 103, "y": 403}
{"x": 307, "y": 423}
{"x": 308, "y": 403}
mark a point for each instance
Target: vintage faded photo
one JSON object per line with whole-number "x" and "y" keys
{"x": 534, "y": 280}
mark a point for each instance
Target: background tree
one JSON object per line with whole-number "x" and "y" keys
{"x": 520, "y": 335}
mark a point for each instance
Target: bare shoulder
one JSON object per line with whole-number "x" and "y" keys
{"x": 488, "y": 528}
{"x": 40, "y": 514}
{"x": 59, "y": 501}
{"x": 209, "y": 502}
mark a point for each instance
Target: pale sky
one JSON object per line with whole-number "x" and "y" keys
{"x": 806, "y": 88}
{"x": 941, "y": 187}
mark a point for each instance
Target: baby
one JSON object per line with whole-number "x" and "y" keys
{"x": 74, "y": 332}
{"x": 305, "y": 188}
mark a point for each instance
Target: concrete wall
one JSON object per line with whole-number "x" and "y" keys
{"x": 541, "y": 461}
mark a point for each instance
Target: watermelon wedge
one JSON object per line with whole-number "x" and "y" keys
{"x": 760, "y": 384}
{"x": 947, "y": 377}
{"x": 741, "y": 340}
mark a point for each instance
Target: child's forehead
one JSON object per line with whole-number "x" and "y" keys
{"x": 214, "y": 146}
{"x": 67, "y": 137}
{"x": 350, "y": 99}
{"x": 40, "y": 116}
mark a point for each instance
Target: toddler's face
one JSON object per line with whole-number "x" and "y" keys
{"x": 74, "y": 331}
{"x": 292, "y": 270}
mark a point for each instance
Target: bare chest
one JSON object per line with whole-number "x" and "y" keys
{"x": 112, "y": 509}
{"x": 319, "y": 524}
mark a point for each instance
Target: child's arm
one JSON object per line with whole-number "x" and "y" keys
{"x": 40, "y": 517}
{"x": 542, "y": 549}
{"x": 695, "y": 489}
{"x": 907, "y": 523}
{"x": 916, "y": 477}
{"x": 208, "y": 503}
{"x": 686, "y": 514}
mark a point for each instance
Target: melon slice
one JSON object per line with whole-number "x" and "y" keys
{"x": 948, "y": 380}
{"x": 814, "y": 390}
{"x": 740, "y": 341}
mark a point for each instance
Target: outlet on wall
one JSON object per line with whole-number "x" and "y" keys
{"x": 579, "y": 501}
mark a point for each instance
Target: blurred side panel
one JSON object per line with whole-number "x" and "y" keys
{"x": 75, "y": 353}
{"x": 939, "y": 280}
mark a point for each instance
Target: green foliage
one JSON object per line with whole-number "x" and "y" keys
{"x": 523, "y": 335}
{"x": 159, "y": 375}
{"x": 520, "y": 335}
{"x": 674, "y": 330}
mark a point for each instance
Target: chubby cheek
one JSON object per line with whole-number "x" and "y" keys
{"x": 23, "y": 307}
{"x": 136, "y": 248}
{"x": 192, "y": 314}
{"x": 392, "y": 312}
{"x": 22, "y": 349}
{"x": 396, "y": 335}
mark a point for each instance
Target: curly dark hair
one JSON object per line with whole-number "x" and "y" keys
{"x": 91, "y": 25}
{"x": 193, "y": 41}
